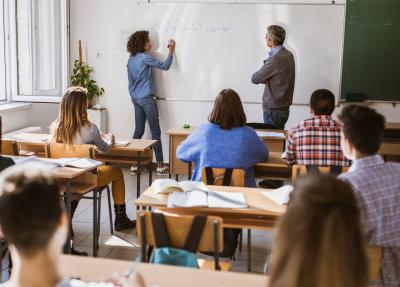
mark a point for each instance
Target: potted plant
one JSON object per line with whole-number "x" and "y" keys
{"x": 81, "y": 77}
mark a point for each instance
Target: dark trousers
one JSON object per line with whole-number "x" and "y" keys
{"x": 276, "y": 118}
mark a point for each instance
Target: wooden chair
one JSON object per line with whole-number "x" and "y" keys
{"x": 178, "y": 228}
{"x": 218, "y": 176}
{"x": 298, "y": 170}
{"x": 58, "y": 150}
{"x": 30, "y": 149}
{"x": 215, "y": 176}
{"x": 9, "y": 147}
{"x": 374, "y": 254}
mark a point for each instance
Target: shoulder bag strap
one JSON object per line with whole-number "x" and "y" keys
{"x": 160, "y": 231}
{"x": 195, "y": 233}
{"x": 228, "y": 177}
{"x": 209, "y": 176}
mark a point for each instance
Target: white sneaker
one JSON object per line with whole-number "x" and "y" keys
{"x": 163, "y": 170}
{"x": 143, "y": 170}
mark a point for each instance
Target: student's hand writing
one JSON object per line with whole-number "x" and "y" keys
{"x": 171, "y": 46}
{"x": 135, "y": 280}
{"x": 104, "y": 136}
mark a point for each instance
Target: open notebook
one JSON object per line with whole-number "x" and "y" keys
{"x": 212, "y": 199}
{"x": 62, "y": 162}
{"x": 165, "y": 186}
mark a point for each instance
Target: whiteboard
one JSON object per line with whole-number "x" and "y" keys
{"x": 221, "y": 45}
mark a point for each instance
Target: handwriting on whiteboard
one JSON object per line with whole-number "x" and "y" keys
{"x": 198, "y": 27}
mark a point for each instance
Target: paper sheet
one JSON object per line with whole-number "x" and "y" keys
{"x": 30, "y": 137}
{"x": 279, "y": 195}
{"x": 270, "y": 134}
{"x": 121, "y": 143}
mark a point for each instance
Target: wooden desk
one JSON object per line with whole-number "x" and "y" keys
{"x": 392, "y": 132}
{"x": 275, "y": 168}
{"x": 72, "y": 180}
{"x": 177, "y": 135}
{"x": 390, "y": 151}
{"x": 93, "y": 269}
{"x": 138, "y": 151}
{"x": 81, "y": 181}
{"x": 262, "y": 212}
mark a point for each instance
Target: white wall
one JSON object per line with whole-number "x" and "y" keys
{"x": 14, "y": 120}
{"x": 100, "y": 25}
{"x": 43, "y": 114}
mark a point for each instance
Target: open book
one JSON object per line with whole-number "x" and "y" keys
{"x": 62, "y": 162}
{"x": 212, "y": 199}
{"x": 164, "y": 186}
{"x": 280, "y": 195}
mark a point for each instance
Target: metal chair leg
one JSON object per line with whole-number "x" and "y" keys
{"x": 110, "y": 210}
{"x": 249, "y": 250}
{"x": 150, "y": 172}
{"x": 241, "y": 241}
{"x": 95, "y": 217}
{"x": 99, "y": 218}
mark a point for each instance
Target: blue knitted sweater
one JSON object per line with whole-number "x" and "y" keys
{"x": 211, "y": 146}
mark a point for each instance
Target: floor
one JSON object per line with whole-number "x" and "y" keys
{"x": 126, "y": 247}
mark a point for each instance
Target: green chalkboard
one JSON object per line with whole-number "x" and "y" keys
{"x": 371, "y": 56}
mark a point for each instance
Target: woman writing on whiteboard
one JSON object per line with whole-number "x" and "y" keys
{"x": 141, "y": 89}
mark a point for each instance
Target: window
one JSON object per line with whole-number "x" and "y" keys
{"x": 39, "y": 49}
{"x": 2, "y": 55}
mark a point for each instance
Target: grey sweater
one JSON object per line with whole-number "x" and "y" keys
{"x": 89, "y": 134}
{"x": 278, "y": 75}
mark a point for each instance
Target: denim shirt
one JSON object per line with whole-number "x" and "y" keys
{"x": 140, "y": 74}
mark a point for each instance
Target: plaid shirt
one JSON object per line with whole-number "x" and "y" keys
{"x": 377, "y": 187}
{"x": 315, "y": 141}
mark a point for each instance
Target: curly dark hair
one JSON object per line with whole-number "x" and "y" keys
{"x": 137, "y": 41}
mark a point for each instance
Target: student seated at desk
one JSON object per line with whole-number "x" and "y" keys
{"x": 34, "y": 223}
{"x": 319, "y": 241}
{"x": 316, "y": 141}
{"x": 376, "y": 185}
{"x": 4, "y": 161}
{"x": 73, "y": 127}
{"x": 225, "y": 141}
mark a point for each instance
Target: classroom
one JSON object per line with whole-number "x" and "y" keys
{"x": 227, "y": 142}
